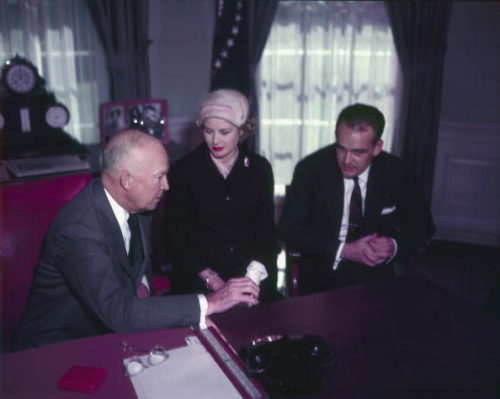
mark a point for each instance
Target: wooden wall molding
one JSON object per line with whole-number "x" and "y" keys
{"x": 466, "y": 193}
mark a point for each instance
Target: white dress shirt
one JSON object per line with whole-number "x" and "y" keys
{"x": 348, "y": 189}
{"x": 122, "y": 219}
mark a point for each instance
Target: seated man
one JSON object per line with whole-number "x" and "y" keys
{"x": 351, "y": 207}
{"x": 94, "y": 273}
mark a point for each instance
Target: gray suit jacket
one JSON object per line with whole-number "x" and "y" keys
{"x": 84, "y": 285}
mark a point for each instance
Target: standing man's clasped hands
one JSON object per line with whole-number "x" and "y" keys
{"x": 370, "y": 250}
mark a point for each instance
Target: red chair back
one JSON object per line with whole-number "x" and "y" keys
{"x": 26, "y": 211}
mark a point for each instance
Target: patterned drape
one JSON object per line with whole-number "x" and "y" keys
{"x": 230, "y": 56}
{"x": 241, "y": 32}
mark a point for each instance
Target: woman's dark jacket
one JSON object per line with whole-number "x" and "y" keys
{"x": 220, "y": 223}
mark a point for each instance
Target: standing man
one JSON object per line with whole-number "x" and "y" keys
{"x": 352, "y": 208}
{"x": 94, "y": 274}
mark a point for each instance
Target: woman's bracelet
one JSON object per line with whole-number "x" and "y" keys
{"x": 207, "y": 278}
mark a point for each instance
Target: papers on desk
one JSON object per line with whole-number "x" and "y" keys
{"x": 189, "y": 372}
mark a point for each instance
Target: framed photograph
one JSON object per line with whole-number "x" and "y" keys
{"x": 149, "y": 115}
{"x": 112, "y": 118}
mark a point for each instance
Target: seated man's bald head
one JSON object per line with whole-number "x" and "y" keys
{"x": 119, "y": 150}
{"x": 135, "y": 166}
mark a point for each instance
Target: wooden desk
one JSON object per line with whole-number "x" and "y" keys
{"x": 34, "y": 373}
{"x": 400, "y": 338}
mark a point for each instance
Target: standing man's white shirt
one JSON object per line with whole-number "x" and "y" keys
{"x": 348, "y": 189}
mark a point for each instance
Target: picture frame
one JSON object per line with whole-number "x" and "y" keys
{"x": 148, "y": 115}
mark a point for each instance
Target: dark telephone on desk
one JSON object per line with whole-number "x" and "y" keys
{"x": 288, "y": 365}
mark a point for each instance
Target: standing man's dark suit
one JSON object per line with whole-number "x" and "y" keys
{"x": 84, "y": 284}
{"x": 394, "y": 207}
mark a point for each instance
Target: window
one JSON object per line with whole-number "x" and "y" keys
{"x": 320, "y": 57}
{"x": 59, "y": 38}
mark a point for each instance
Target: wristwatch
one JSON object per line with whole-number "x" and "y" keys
{"x": 207, "y": 278}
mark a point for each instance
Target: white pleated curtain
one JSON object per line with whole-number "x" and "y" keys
{"x": 320, "y": 57}
{"x": 59, "y": 38}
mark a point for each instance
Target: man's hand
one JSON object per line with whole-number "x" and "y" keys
{"x": 370, "y": 250}
{"x": 233, "y": 292}
{"x": 384, "y": 247}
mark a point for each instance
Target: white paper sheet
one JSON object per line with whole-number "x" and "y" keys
{"x": 189, "y": 372}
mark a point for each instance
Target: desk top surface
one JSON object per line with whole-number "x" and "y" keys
{"x": 401, "y": 338}
{"x": 34, "y": 373}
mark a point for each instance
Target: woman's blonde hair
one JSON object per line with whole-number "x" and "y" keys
{"x": 249, "y": 126}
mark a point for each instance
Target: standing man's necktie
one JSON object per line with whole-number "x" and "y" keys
{"x": 355, "y": 211}
{"x": 135, "y": 251}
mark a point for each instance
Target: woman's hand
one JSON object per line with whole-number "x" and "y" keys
{"x": 211, "y": 279}
{"x": 215, "y": 283}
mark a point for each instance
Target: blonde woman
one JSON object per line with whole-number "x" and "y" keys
{"x": 220, "y": 210}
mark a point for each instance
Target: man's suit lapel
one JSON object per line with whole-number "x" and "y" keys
{"x": 374, "y": 192}
{"x": 146, "y": 250}
{"x": 334, "y": 190}
{"x": 111, "y": 227}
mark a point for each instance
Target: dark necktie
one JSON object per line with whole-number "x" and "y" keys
{"x": 135, "y": 246}
{"x": 355, "y": 211}
{"x": 135, "y": 252}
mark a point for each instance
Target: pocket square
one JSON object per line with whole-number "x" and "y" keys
{"x": 386, "y": 211}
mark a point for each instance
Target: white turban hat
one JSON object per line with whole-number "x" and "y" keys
{"x": 226, "y": 104}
